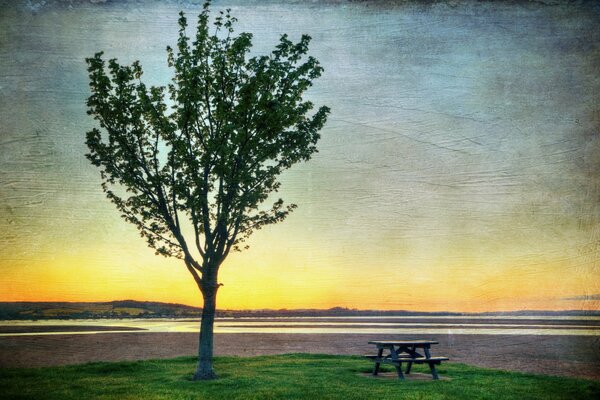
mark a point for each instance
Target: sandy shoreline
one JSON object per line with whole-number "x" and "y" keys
{"x": 577, "y": 356}
{"x": 63, "y": 328}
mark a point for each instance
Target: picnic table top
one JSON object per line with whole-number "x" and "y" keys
{"x": 402, "y": 342}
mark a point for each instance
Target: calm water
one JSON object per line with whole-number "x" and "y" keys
{"x": 517, "y": 325}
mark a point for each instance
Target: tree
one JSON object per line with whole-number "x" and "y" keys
{"x": 194, "y": 176}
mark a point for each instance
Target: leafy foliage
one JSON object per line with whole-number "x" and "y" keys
{"x": 210, "y": 160}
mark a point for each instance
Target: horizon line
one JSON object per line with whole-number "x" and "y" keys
{"x": 309, "y": 309}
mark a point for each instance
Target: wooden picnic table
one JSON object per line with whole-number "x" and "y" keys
{"x": 407, "y": 351}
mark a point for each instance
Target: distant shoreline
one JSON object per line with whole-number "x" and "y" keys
{"x": 127, "y": 309}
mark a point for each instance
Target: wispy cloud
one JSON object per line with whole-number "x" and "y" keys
{"x": 583, "y": 297}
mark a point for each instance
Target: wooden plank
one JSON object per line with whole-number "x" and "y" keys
{"x": 403, "y": 342}
{"x": 410, "y": 360}
{"x": 422, "y": 359}
{"x": 435, "y": 360}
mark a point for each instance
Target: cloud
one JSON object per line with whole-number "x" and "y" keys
{"x": 583, "y": 297}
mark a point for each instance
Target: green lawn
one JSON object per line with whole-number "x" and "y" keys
{"x": 291, "y": 376}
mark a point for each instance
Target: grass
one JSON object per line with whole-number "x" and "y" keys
{"x": 290, "y": 376}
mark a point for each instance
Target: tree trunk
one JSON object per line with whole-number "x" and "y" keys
{"x": 205, "y": 371}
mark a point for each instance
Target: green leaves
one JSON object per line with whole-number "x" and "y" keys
{"x": 208, "y": 163}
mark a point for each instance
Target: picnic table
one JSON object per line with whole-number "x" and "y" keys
{"x": 407, "y": 351}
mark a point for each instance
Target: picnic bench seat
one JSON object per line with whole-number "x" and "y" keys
{"x": 417, "y": 360}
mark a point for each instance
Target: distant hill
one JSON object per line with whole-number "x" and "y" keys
{"x": 153, "y": 309}
{"x": 111, "y": 309}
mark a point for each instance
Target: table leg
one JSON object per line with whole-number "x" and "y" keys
{"x": 434, "y": 373}
{"x": 377, "y": 363}
{"x": 399, "y": 370}
{"x": 394, "y": 353}
{"x": 410, "y": 363}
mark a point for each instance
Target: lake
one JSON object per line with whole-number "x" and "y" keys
{"x": 417, "y": 325}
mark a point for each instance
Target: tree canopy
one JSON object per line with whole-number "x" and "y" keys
{"x": 198, "y": 159}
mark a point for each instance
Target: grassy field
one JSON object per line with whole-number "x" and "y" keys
{"x": 292, "y": 376}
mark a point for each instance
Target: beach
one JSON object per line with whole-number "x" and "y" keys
{"x": 574, "y": 356}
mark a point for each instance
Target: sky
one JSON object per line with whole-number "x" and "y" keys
{"x": 459, "y": 169}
